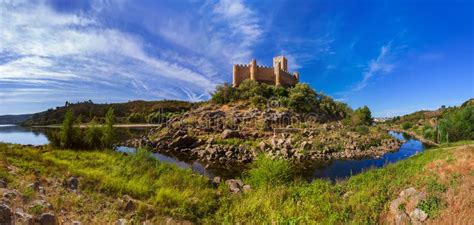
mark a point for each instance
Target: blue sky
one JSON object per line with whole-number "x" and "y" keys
{"x": 394, "y": 56}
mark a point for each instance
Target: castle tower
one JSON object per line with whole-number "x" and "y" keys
{"x": 253, "y": 69}
{"x": 277, "y": 70}
{"x": 235, "y": 69}
{"x": 283, "y": 63}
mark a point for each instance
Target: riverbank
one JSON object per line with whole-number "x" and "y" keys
{"x": 134, "y": 125}
{"x": 112, "y": 186}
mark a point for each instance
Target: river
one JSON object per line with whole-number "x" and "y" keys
{"x": 332, "y": 170}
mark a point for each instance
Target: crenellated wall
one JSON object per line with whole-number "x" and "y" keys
{"x": 276, "y": 75}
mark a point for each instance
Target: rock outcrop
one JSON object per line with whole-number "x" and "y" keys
{"x": 238, "y": 133}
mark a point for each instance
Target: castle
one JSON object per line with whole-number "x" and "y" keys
{"x": 277, "y": 75}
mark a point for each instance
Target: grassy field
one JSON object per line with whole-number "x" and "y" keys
{"x": 164, "y": 191}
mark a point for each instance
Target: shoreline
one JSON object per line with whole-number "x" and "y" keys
{"x": 136, "y": 125}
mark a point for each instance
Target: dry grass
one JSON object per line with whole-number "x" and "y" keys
{"x": 457, "y": 172}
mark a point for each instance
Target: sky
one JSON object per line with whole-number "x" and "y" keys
{"x": 395, "y": 56}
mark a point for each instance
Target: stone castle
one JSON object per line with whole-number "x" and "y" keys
{"x": 277, "y": 75}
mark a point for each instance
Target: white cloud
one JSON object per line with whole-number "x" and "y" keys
{"x": 59, "y": 49}
{"x": 378, "y": 66}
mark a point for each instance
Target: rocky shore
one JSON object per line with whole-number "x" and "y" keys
{"x": 237, "y": 134}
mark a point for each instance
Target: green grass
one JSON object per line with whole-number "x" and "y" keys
{"x": 175, "y": 192}
{"x": 358, "y": 200}
{"x": 276, "y": 196}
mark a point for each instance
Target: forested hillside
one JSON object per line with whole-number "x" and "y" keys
{"x": 129, "y": 112}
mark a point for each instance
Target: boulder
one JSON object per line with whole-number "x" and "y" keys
{"x": 408, "y": 192}
{"x": 246, "y": 188}
{"x": 182, "y": 142}
{"x": 228, "y": 133}
{"x": 3, "y": 184}
{"x": 418, "y": 215}
{"x": 262, "y": 146}
{"x": 72, "y": 183}
{"x": 395, "y": 206}
{"x": 35, "y": 185}
{"x": 217, "y": 180}
{"x": 402, "y": 219}
{"x": 5, "y": 215}
{"x": 120, "y": 222}
{"x": 47, "y": 219}
{"x": 128, "y": 204}
{"x": 305, "y": 145}
{"x": 235, "y": 185}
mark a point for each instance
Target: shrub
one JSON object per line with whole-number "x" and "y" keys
{"x": 265, "y": 171}
{"x": 258, "y": 101}
{"x": 429, "y": 132}
{"x": 362, "y": 129}
{"x": 431, "y": 205}
{"x": 68, "y": 132}
{"x": 93, "y": 136}
{"x": 136, "y": 118}
{"x": 406, "y": 125}
{"x": 362, "y": 116}
{"x": 302, "y": 98}
{"x": 457, "y": 125}
{"x": 108, "y": 137}
{"x": 224, "y": 94}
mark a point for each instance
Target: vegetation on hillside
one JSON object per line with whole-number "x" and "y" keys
{"x": 130, "y": 112}
{"x": 300, "y": 98}
{"x": 447, "y": 124}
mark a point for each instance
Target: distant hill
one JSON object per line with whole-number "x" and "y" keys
{"x": 129, "y": 112}
{"x": 14, "y": 119}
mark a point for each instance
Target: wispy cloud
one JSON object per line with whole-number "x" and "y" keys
{"x": 41, "y": 47}
{"x": 382, "y": 64}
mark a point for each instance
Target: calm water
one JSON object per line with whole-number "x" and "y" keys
{"x": 332, "y": 170}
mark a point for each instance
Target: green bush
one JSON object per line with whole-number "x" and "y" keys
{"x": 93, "y": 136}
{"x": 266, "y": 171}
{"x": 224, "y": 94}
{"x": 302, "y": 98}
{"x": 136, "y": 118}
{"x": 109, "y": 134}
{"x": 362, "y": 116}
{"x": 457, "y": 125}
{"x": 431, "y": 205}
{"x": 407, "y": 125}
{"x": 362, "y": 129}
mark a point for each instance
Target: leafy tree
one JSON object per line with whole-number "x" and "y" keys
{"x": 457, "y": 125}
{"x": 224, "y": 94}
{"x": 109, "y": 135}
{"x": 67, "y": 133}
{"x": 94, "y": 136}
{"x": 362, "y": 116}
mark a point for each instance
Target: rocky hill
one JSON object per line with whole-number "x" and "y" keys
{"x": 239, "y": 130}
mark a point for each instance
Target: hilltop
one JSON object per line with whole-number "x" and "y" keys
{"x": 14, "y": 119}
{"x": 297, "y": 124}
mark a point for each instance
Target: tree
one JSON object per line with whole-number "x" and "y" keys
{"x": 362, "y": 116}
{"x": 67, "y": 130}
{"x": 108, "y": 137}
{"x": 224, "y": 94}
{"x": 93, "y": 137}
{"x": 302, "y": 98}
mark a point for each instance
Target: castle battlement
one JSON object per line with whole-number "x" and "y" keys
{"x": 277, "y": 75}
